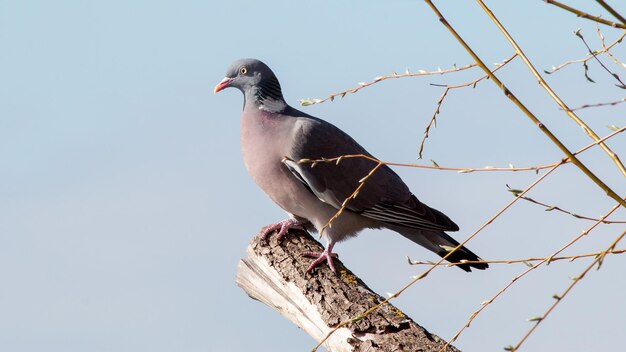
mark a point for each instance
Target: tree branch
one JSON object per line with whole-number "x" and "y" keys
{"x": 275, "y": 274}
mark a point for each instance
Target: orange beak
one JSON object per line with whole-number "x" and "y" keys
{"x": 225, "y": 83}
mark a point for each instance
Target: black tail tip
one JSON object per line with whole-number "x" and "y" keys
{"x": 465, "y": 259}
{"x": 468, "y": 266}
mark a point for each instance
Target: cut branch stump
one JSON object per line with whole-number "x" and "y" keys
{"x": 275, "y": 274}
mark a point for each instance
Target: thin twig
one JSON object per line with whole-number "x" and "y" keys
{"x": 462, "y": 170}
{"x": 595, "y": 56}
{"x": 559, "y": 298}
{"x": 433, "y": 120}
{"x": 306, "y": 102}
{"x": 610, "y": 103}
{"x": 584, "y": 14}
{"x": 605, "y": 49}
{"x": 611, "y": 11}
{"x": 350, "y": 197}
{"x": 554, "y": 207}
{"x": 615, "y": 131}
{"x": 526, "y": 261}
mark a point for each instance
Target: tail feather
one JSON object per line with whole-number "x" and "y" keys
{"x": 441, "y": 244}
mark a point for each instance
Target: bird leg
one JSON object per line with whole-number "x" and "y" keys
{"x": 327, "y": 255}
{"x": 283, "y": 227}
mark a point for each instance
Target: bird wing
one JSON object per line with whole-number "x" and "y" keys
{"x": 383, "y": 197}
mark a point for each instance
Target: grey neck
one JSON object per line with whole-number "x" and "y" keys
{"x": 267, "y": 96}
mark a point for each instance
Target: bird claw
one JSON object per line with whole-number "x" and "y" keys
{"x": 283, "y": 227}
{"x": 326, "y": 255}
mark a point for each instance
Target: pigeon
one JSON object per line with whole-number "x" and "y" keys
{"x": 280, "y": 147}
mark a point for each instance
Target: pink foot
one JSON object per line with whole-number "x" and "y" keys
{"x": 326, "y": 256}
{"x": 282, "y": 226}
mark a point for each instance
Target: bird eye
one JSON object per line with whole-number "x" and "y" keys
{"x": 243, "y": 70}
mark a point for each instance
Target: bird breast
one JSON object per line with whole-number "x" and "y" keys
{"x": 264, "y": 143}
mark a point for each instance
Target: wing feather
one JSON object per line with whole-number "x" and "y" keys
{"x": 383, "y": 197}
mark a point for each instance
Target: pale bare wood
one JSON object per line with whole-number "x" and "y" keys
{"x": 275, "y": 274}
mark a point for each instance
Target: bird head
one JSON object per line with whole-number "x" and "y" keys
{"x": 255, "y": 79}
{"x": 246, "y": 74}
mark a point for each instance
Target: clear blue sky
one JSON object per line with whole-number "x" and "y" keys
{"x": 124, "y": 204}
